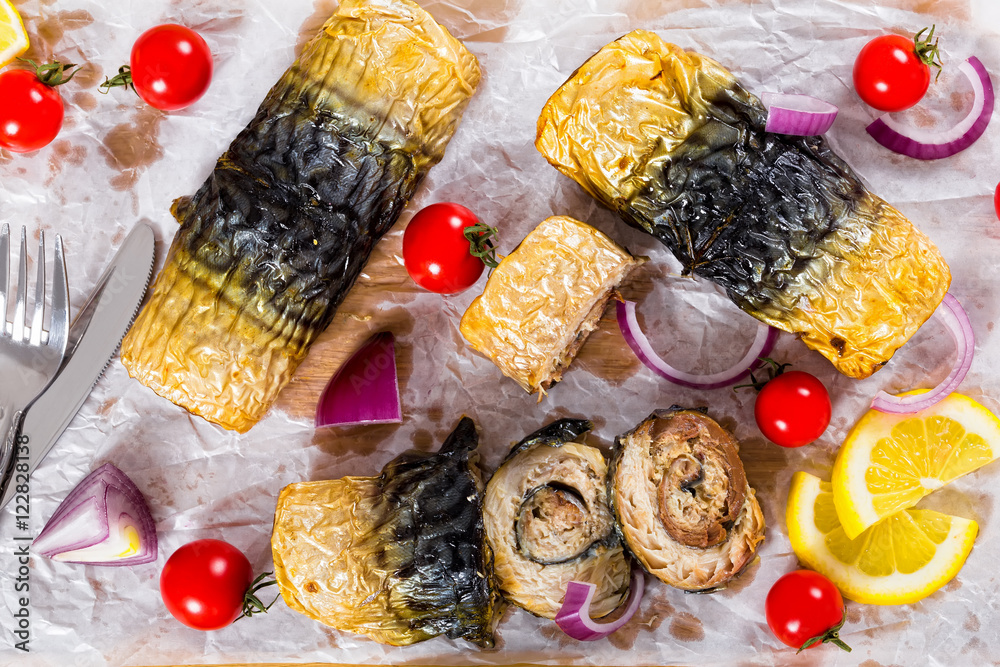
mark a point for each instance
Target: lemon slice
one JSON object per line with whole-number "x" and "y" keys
{"x": 889, "y": 462}
{"x": 899, "y": 560}
{"x": 13, "y": 38}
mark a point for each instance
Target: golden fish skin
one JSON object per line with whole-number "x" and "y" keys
{"x": 271, "y": 243}
{"x": 544, "y": 299}
{"x": 669, "y": 140}
{"x": 401, "y": 557}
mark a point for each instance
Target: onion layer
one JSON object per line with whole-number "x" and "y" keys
{"x": 103, "y": 521}
{"x": 366, "y": 389}
{"x": 800, "y": 115}
{"x": 762, "y": 344}
{"x": 574, "y": 615}
{"x": 957, "y": 321}
{"x": 933, "y": 145}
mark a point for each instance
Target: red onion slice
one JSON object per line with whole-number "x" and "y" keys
{"x": 957, "y": 321}
{"x": 574, "y": 615}
{"x": 103, "y": 521}
{"x": 762, "y": 344}
{"x": 933, "y": 145}
{"x": 800, "y": 115}
{"x": 366, "y": 389}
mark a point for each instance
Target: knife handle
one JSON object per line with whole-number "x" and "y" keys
{"x": 8, "y": 451}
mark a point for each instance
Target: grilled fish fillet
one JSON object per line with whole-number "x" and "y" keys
{"x": 274, "y": 239}
{"x": 548, "y": 523}
{"x": 670, "y": 140}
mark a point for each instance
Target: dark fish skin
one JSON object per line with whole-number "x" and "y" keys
{"x": 745, "y": 208}
{"x": 289, "y": 217}
{"x": 430, "y": 531}
{"x": 554, "y": 434}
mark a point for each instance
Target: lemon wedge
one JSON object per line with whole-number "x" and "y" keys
{"x": 901, "y": 559}
{"x": 889, "y": 462}
{"x": 13, "y": 38}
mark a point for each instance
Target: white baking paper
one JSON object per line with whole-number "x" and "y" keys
{"x": 118, "y": 161}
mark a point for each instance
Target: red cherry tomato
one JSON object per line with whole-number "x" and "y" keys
{"x": 892, "y": 72}
{"x": 171, "y": 66}
{"x": 437, "y": 253}
{"x": 204, "y": 582}
{"x": 996, "y": 200}
{"x": 793, "y": 409}
{"x": 804, "y": 605}
{"x": 31, "y": 113}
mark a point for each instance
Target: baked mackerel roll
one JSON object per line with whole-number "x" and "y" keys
{"x": 682, "y": 502}
{"x": 669, "y": 140}
{"x": 401, "y": 557}
{"x": 548, "y": 523}
{"x": 277, "y": 235}
{"x": 542, "y": 302}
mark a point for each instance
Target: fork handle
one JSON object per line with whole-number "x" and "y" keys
{"x": 8, "y": 451}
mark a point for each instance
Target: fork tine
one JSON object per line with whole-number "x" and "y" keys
{"x": 4, "y": 275}
{"x": 59, "y": 308}
{"x": 36, "y": 320}
{"x": 22, "y": 288}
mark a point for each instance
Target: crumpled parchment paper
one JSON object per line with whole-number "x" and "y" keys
{"x": 118, "y": 161}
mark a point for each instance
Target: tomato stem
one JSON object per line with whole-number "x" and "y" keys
{"x": 54, "y": 73}
{"x": 774, "y": 369}
{"x": 253, "y": 604}
{"x": 927, "y": 49}
{"x": 123, "y": 78}
{"x": 481, "y": 243}
{"x": 831, "y": 636}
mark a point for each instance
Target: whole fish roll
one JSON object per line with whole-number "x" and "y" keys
{"x": 401, "y": 557}
{"x": 548, "y": 523}
{"x": 274, "y": 239}
{"x": 669, "y": 140}
{"x": 682, "y": 502}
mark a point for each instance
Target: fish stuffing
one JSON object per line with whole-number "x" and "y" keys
{"x": 673, "y": 143}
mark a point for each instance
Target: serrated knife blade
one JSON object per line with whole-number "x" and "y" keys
{"x": 94, "y": 338}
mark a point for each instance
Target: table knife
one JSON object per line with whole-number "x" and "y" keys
{"x": 94, "y": 338}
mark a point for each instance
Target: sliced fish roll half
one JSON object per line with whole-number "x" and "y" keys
{"x": 400, "y": 557}
{"x": 548, "y": 523}
{"x": 682, "y": 502}
{"x": 545, "y": 299}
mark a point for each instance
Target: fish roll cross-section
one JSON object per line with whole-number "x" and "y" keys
{"x": 682, "y": 501}
{"x": 548, "y": 523}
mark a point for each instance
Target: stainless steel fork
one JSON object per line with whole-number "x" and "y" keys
{"x": 30, "y": 355}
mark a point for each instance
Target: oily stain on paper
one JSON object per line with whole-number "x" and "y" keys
{"x": 131, "y": 147}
